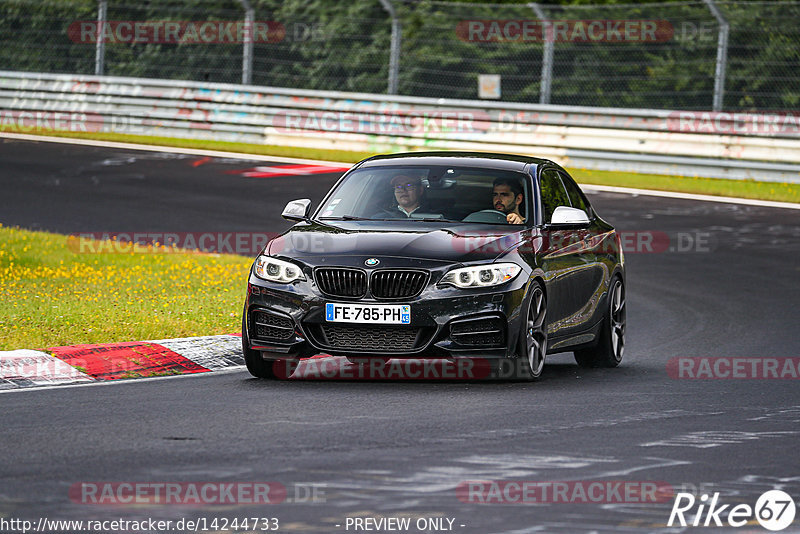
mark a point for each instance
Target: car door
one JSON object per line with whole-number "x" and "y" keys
{"x": 596, "y": 239}
{"x": 568, "y": 261}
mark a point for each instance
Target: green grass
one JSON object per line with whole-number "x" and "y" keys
{"x": 782, "y": 192}
{"x": 50, "y": 295}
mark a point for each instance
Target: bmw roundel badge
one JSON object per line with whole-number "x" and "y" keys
{"x": 372, "y": 262}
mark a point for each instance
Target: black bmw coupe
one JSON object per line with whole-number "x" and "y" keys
{"x": 440, "y": 255}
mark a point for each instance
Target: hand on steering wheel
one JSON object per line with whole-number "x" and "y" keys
{"x": 514, "y": 218}
{"x": 494, "y": 216}
{"x": 510, "y": 218}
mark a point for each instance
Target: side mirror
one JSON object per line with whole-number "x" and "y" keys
{"x": 564, "y": 216}
{"x": 297, "y": 210}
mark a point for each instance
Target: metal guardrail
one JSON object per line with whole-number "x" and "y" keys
{"x": 722, "y": 145}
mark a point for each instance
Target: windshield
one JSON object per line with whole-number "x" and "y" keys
{"x": 452, "y": 194}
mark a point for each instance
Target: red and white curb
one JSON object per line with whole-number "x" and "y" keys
{"x": 288, "y": 170}
{"x": 81, "y": 364}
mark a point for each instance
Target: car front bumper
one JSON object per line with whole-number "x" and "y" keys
{"x": 287, "y": 321}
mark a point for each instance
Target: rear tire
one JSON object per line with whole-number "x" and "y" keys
{"x": 256, "y": 364}
{"x": 611, "y": 343}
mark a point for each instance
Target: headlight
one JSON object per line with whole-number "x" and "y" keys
{"x": 276, "y": 270}
{"x": 491, "y": 274}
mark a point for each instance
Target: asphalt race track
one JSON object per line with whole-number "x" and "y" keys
{"x": 727, "y": 288}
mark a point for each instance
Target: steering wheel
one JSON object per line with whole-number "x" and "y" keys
{"x": 486, "y": 216}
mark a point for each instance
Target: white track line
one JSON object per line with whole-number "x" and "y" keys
{"x": 279, "y": 159}
{"x": 170, "y": 149}
{"x": 690, "y": 196}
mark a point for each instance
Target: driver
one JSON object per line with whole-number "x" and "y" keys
{"x": 507, "y": 197}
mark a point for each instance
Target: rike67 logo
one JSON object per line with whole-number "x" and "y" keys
{"x": 774, "y": 510}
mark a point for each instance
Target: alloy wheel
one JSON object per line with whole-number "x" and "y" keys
{"x": 536, "y": 333}
{"x": 617, "y": 319}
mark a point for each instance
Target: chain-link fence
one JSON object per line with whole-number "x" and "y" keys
{"x": 742, "y": 55}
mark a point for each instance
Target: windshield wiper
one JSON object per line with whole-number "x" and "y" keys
{"x": 396, "y": 219}
{"x": 429, "y": 219}
{"x": 346, "y": 218}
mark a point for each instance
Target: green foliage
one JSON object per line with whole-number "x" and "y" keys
{"x": 345, "y": 46}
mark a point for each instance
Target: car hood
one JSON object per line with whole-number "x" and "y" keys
{"x": 317, "y": 243}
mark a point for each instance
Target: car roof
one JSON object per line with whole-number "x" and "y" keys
{"x": 490, "y": 160}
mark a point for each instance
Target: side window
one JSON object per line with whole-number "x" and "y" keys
{"x": 553, "y": 193}
{"x": 575, "y": 195}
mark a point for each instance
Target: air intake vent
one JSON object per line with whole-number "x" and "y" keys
{"x": 269, "y": 326}
{"x": 484, "y": 332}
{"x": 377, "y": 339}
{"x": 397, "y": 284}
{"x": 341, "y": 282}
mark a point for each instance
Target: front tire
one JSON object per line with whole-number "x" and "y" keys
{"x": 533, "y": 335}
{"x": 256, "y": 364}
{"x": 611, "y": 344}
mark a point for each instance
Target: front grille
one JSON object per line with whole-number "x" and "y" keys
{"x": 479, "y": 332}
{"x": 341, "y": 282}
{"x": 397, "y": 284}
{"x": 377, "y": 338}
{"x": 271, "y": 326}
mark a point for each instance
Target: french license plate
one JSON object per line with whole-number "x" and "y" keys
{"x": 368, "y": 313}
